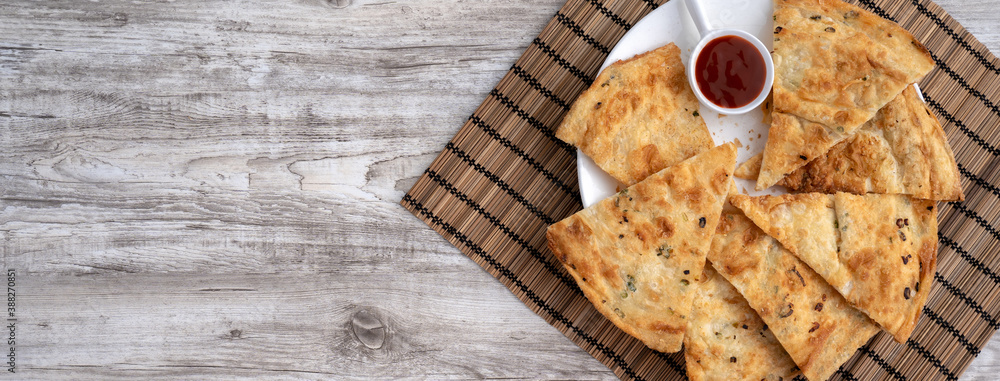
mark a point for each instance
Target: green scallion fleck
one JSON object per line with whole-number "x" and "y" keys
{"x": 664, "y": 250}
{"x": 619, "y": 313}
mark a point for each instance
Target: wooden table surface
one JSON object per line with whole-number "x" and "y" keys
{"x": 209, "y": 189}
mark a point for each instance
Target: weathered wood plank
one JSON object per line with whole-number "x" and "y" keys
{"x": 239, "y": 326}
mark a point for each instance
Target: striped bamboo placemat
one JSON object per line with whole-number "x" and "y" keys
{"x": 505, "y": 177}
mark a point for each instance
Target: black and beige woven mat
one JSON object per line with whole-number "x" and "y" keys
{"x": 505, "y": 177}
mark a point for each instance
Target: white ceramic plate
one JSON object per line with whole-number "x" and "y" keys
{"x": 671, "y": 23}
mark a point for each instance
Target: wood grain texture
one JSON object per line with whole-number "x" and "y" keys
{"x": 210, "y": 189}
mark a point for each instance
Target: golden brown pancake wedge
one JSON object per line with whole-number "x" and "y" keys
{"x": 902, "y": 150}
{"x": 804, "y": 223}
{"x": 748, "y": 170}
{"x": 888, "y": 251}
{"x": 637, "y": 255}
{"x": 815, "y": 325}
{"x": 791, "y": 143}
{"x": 638, "y": 117}
{"x": 727, "y": 340}
{"x": 835, "y": 65}
{"x": 876, "y": 250}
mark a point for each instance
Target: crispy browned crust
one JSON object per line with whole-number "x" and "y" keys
{"x": 727, "y": 340}
{"x": 766, "y": 108}
{"x": 902, "y": 150}
{"x": 750, "y": 169}
{"x": 861, "y": 164}
{"x": 791, "y": 143}
{"x": 638, "y": 117}
{"x": 815, "y": 325}
{"x": 889, "y": 250}
{"x": 835, "y": 66}
{"x": 878, "y": 251}
{"x": 804, "y": 223}
{"x": 637, "y": 255}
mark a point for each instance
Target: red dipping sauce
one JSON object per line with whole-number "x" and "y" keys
{"x": 730, "y": 72}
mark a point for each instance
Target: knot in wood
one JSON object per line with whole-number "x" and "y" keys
{"x": 120, "y": 19}
{"x": 368, "y": 329}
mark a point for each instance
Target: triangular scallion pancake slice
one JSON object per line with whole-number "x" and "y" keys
{"x": 791, "y": 143}
{"x": 638, "y": 117}
{"x": 835, "y": 65}
{"x": 750, "y": 169}
{"x": 816, "y": 326}
{"x": 902, "y": 150}
{"x": 876, "y": 250}
{"x": 727, "y": 340}
{"x": 638, "y": 254}
{"x": 888, "y": 247}
{"x": 805, "y": 223}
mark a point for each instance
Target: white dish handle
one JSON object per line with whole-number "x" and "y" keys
{"x": 698, "y": 15}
